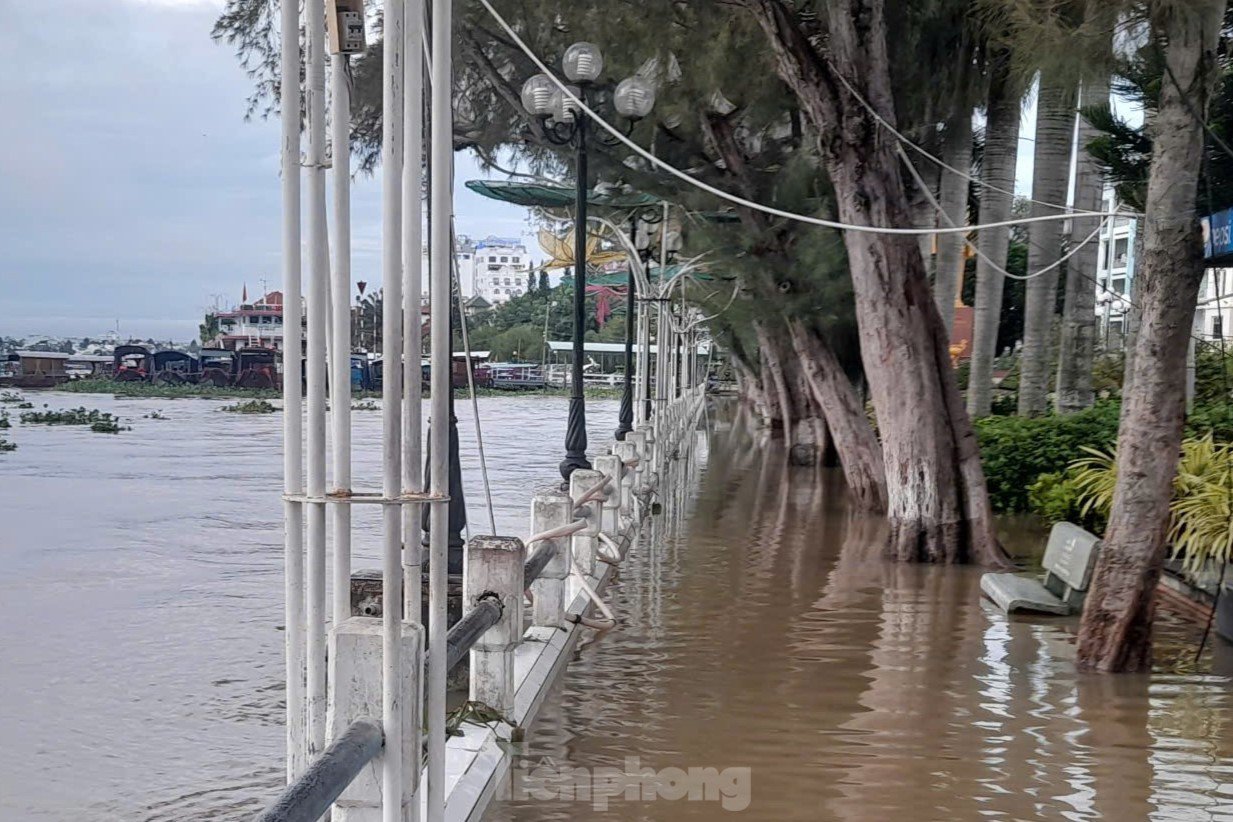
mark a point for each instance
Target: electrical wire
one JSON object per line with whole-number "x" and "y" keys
{"x": 732, "y": 198}
{"x": 999, "y": 269}
{"x": 903, "y": 140}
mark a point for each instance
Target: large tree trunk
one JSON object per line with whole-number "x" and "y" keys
{"x": 1116, "y": 630}
{"x": 937, "y": 502}
{"x": 957, "y": 152}
{"x": 1055, "y": 122}
{"x": 997, "y": 170}
{"x": 857, "y": 445}
{"x": 777, "y": 378}
{"x": 1077, "y": 350}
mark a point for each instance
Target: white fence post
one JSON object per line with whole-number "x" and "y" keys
{"x": 586, "y": 540}
{"x": 355, "y": 669}
{"x": 611, "y": 466}
{"x": 549, "y": 510}
{"x": 626, "y": 452}
{"x": 494, "y": 569}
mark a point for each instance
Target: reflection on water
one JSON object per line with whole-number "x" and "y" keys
{"x": 765, "y": 631}
{"x": 141, "y": 672}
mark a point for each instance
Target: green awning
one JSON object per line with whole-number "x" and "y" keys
{"x": 554, "y": 196}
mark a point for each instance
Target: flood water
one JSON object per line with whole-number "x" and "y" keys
{"x": 141, "y": 660}
{"x": 765, "y": 633}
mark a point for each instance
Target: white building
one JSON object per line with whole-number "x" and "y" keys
{"x": 500, "y": 267}
{"x": 1115, "y": 265}
{"x": 1213, "y": 319}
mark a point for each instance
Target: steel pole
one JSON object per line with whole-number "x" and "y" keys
{"x": 392, "y": 100}
{"x": 319, "y": 272}
{"x": 413, "y": 268}
{"x": 440, "y": 212}
{"x": 576, "y": 429}
{"x": 340, "y": 309}
{"x": 293, "y": 392}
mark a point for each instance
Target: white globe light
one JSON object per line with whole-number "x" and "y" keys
{"x": 634, "y": 97}
{"x": 564, "y": 110}
{"x": 537, "y": 95}
{"x": 582, "y": 63}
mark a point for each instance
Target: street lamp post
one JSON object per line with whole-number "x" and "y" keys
{"x": 564, "y": 123}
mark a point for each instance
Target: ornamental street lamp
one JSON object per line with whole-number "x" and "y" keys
{"x": 563, "y": 123}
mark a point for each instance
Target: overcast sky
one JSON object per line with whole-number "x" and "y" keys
{"x": 131, "y": 188}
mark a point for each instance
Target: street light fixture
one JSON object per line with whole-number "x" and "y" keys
{"x": 563, "y": 123}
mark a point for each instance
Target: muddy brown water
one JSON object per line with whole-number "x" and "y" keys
{"x": 141, "y": 660}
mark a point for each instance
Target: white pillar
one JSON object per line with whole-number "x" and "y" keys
{"x": 626, "y": 452}
{"x": 340, "y": 317}
{"x": 585, "y": 541}
{"x": 413, "y": 288}
{"x": 610, "y": 465}
{"x": 495, "y": 569}
{"x": 293, "y": 394}
{"x": 393, "y": 767}
{"x": 319, "y": 272}
{"x": 357, "y": 691}
{"x": 550, "y": 510}
{"x": 441, "y": 220}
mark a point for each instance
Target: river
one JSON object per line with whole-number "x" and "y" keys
{"x": 141, "y": 669}
{"x": 141, "y": 661}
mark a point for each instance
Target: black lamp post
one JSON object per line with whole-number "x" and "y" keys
{"x": 564, "y": 123}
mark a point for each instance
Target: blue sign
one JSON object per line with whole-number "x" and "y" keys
{"x": 1218, "y": 234}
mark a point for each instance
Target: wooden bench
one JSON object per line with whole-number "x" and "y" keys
{"x": 1069, "y": 559}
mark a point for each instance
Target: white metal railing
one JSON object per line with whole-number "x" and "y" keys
{"x": 567, "y": 529}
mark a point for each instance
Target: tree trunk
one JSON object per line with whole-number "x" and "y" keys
{"x": 783, "y": 397}
{"x": 923, "y": 213}
{"x": 1077, "y": 350}
{"x": 957, "y": 152}
{"x": 937, "y": 502}
{"x": 1116, "y": 630}
{"x": 998, "y": 170}
{"x": 857, "y": 445}
{"x": 1055, "y": 122}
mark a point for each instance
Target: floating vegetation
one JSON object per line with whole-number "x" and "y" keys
{"x": 154, "y": 415}
{"x": 99, "y": 421}
{"x": 181, "y": 391}
{"x": 4, "y": 420}
{"x": 365, "y": 405}
{"x": 10, "y": 397}
{"x": 25, "y": 405}
{"x": 5, "y": 445}
{"x": 250, "y": 407}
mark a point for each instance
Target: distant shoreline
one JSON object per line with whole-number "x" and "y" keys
{"x": 142, "y": 389}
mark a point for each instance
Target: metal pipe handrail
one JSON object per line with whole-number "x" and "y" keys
{"x": 467, "y": 631}
{"x": 310, "y": 796}
{"x": 536, "y": 563}
{"x": 594, "y": 491}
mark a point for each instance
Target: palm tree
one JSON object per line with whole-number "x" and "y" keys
{"x": 957, "y": 152}
{"x": 1054, "y": 129}
{"x": 998, "y": 177}
{"x": 1077, "y": 349}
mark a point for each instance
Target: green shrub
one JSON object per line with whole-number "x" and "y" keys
{"x": 1057, "y": 497}
{"x": 1015, "y": 451}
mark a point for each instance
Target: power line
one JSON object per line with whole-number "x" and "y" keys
{"x": 776, "y": 212}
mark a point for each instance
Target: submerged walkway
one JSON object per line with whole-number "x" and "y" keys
{"x": 762, "y": 631}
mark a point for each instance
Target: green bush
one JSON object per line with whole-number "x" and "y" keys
{"x": 1057, "y": 497}
{"x": 1015, "y": 451}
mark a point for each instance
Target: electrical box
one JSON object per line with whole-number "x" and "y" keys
{"x": 345, "y": 21}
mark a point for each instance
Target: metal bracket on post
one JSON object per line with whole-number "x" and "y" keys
{"x": 586, "y": 541}
{"x": 355, "y": 670}
{"x": 495, "y": 570}
{"x": 551, "y": 510}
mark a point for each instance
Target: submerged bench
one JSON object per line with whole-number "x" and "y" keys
{"x": 1069, "y": 559}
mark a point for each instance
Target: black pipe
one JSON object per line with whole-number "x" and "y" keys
{"x": 537, "y": 562}
{"x": 467, "y": 631}
{"x": 309, "y": 797}
{"x": 626, "y": 417}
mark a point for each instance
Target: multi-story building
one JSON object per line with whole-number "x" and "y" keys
{"x": 1115, "y": 266}
{"x": 256, "y": 324}
{"x": 500, "y": 268}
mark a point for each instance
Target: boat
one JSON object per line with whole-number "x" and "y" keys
{"x": 34, "y": 369}
{"x": 511, "y": 376}
{"x": 132, "y": 363}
